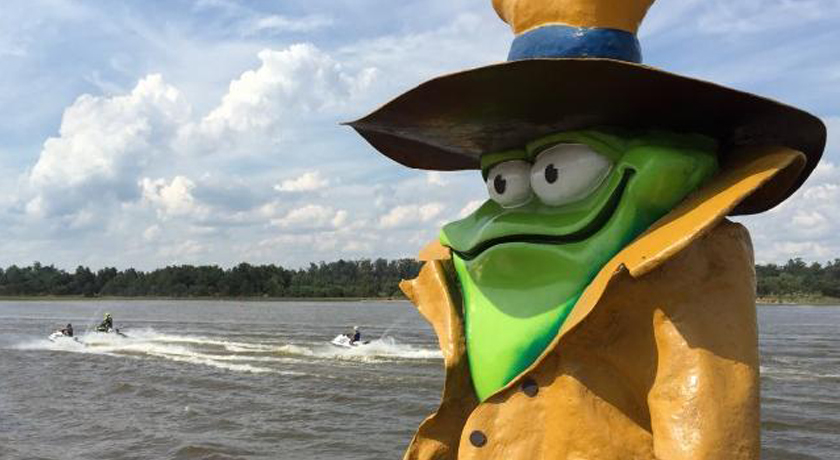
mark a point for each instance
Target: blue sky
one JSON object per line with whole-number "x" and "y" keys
{"x": 150, "y": 133}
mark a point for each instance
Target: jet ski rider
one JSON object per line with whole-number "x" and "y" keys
{"x": 68, "y": 331}
{"x": 107, "y": 324}
{"x": 356, "y": 336}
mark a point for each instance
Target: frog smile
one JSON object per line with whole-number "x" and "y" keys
{"x": 589, "y": 228}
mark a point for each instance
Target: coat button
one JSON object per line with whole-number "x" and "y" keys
{"x": 530, "y": 387}
{"x": 477, "y": 438}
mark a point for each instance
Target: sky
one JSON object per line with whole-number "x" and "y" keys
{"x": 149, "y": 133}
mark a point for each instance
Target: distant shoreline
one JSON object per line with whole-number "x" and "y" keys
{"x": 760, "y": 301}
{"x": 76, "y": 298}
{"x": 816, "y": 300}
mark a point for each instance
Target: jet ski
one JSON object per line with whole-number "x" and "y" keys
{"x": 59, "y": 336}
{"x": 110, "y": 331}
{"x": 343, "y": 341}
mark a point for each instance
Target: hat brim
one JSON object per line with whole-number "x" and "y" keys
{"x": 447, "y": 123}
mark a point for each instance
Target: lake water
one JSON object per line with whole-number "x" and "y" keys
{"x": 259, "y": 380}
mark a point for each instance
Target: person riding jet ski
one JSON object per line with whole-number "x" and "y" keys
{"x": 106, "y": 325}
{"x": 68, "y": 331}
{"x": 355, "y": 336}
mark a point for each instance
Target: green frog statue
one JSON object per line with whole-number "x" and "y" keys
{"x": 598, "y": 305}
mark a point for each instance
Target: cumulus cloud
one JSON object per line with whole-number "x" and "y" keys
{"x": 805, "y": 224}
{"x": 208, "y": 168}
{"x": 142, "y": 177}
{"x": 108, "y": 146}
{"x": 312, "y": 217}
{"x": 406, "y": 215}
{"x": 307, "y": 182}
{"x": 103, "y": 145}
{"x": 172, "y": 199}
{"x": 288, "y": 83}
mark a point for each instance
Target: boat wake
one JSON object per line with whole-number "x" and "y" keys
{"x": 383, "y": 349}
{"x": 148, "y": 343}
{"x": 229, "y": 355}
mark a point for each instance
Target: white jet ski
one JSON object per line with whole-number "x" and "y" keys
{"x": 59, "y": 336}
{"x": 110, "y": 331}
{"x": 343, "y": 341}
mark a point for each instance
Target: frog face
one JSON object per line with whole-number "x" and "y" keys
{"x": 559, "y": 209}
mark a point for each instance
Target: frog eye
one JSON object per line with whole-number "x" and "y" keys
{"x": 509, "y": 183}
{"x": 567, "y": 173}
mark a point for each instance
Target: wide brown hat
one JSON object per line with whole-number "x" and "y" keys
{"x": 563, "y": 74}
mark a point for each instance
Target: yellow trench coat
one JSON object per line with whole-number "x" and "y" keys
{"x": 658, "y": 359}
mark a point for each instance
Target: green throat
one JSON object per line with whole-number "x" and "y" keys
{"x": 508, "y": 328}
{"x": 522, "y": 270}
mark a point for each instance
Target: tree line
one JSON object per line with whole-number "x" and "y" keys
{"x": 358, "y": 278}
{"x": 798, "y": 278}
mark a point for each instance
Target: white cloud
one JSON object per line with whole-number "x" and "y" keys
{"x": 251, "y": 22}
{"x": 832, "y": 146}
{"x": 357, "y": 246}
{"x": 311, "y": 217}
{"x": 407, "y": 215}
{"x": 169, "y": 168}
{"x": 307, "y": 182}
{"x": 151, "y": 233}
{"x": 435, "y": 178}
{"x": 430, "y": 211}
{"x": 244, "y": 129}
{"x": 809, "y": 219}
{"x": 173, "y": 199}
{"x": 399, "y": 216}
{"x": 309, "y": 245}
{"x": 183, "y": 251}
{"x": 752, "y": 16}
{"x": 804, "y": 225}
{"x": 288, "y": 84}
{"x": 113, "y": 151}
{"x": 103, "y": 145}
{"x": 469, "y": 208}
{"x": 82, "y": 219}
{"x": 781, "y": 251}
{"x": 733, "y": 20}
{"x": 276, "y": 23}
{"x": 339, "y": 219}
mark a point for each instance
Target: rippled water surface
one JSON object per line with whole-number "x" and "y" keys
{"x": 800, "y": 382}
{"x": 220, "y": 380}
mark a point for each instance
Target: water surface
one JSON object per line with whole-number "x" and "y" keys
{"x": 259, "y": 380}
